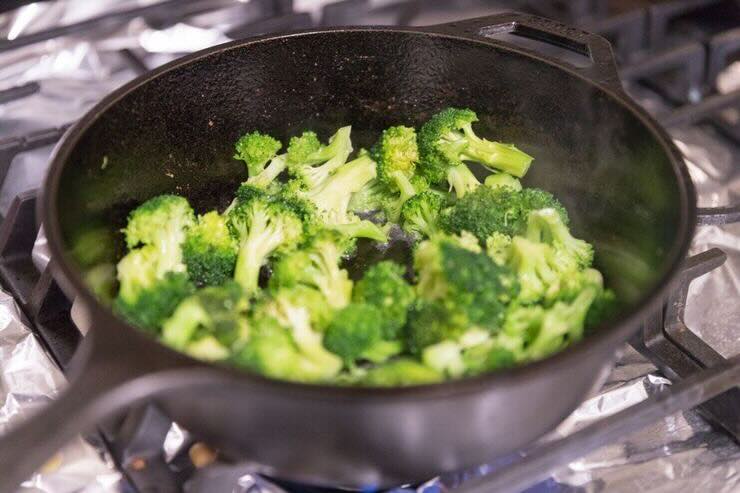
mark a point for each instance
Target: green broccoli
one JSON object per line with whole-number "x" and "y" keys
{"x": 502, "y": 180}
{"x": 317, "y": 266}
{"x": 356, "y": 332}
{"x": 502, "y": 209}
{"x": 271, "y": 351}
{"x": 603, "y": 308}
{"x": 401, "y": 372}
{"x": 384, "y": 287}
{"x": 498, "y": 247}
{"x": 266, "y": 178}
{"x": 370, "y": 198}
{"x": 101, "y": 279}
{"x": 430, "y": 322}
{"x": 448, "y": 139}
{"x": 209, "y": 250}
{"x": 213, "y": 312}
{"x": 396, "y": 154}
{"x": 332, "y": 198}
{"x": 146, "y": 299}
{"x": 534, "y": 266}
{"x": 161, "y": 222}
{"x": 261, "y": 225}
{"x": 420, "y": 214}
{"x": 256, "y": 149}
{"x": 464, "y": 281}
{"x": 547, "y": 225}
{"x": 312, "y": 162}
{"x": 292, "y": 313}
{"x": 561, "y": 324}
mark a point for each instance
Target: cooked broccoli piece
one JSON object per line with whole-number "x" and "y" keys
{"x": 101, "y": 279}
{"x": 261, "y": 226}
{"x": 445, "y": 357}
{"x": 401, "y": 372}
{"x": 503, "y": 210}
{"x": 603, "y": 308}
{"x": 502, "y": 180}
{"x": 498, "y": 247}
{"x": 384, "y": 287}
{"x": 396, "y": 154}
{"x": 256, "y": 149}
{"x": 267, "y": 177}
{"x": 312, "y": 162}
{"x": 534, "y": 265}
{"x": 430, "y": 323}
{"x": 214, "y": 313}
{"x": 562, "y": 323}
{"x": 290, "y": 312}
{"x": 547, "y": 225}
{"x": 464, "y": 281}
{"x": 354, "y": 332}
{"x": 317, "y": 266}
{"x": 448, "y": 139}
{"x": 145, "y": 299}
{"x": 486, "y": 357}
{"x": 332, "y": 198}
{"x": 161, "y": 222}
{"x": 271, "y": 351}
{"x": 370, "y": 198}
{"x": 420, "y": 214}
{"x": 209, "y": 250}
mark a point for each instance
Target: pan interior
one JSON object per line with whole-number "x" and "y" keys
{"x": 175, "y": 133}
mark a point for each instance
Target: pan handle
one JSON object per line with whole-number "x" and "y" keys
{"x": 106, "y": 380}
{"x": 602, "y": 70}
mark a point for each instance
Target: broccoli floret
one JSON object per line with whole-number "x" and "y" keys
{"x": 272, "y": 351}
{"x": 503, "y": 210}
{"x": 266, "y": 177}
{"x": 448, "y": 139}
{"x": 290, "y": 312}
{"x": 261, "y": 226}
{"x": 209, "y": 250}
{"x": 502, "y": 180}
{"x": 101, "y": 279}
{"x": 144, "y": 298}
{"x": 370, "y": 198}
{"x": 420, "y": 214}
{"x": 603, "y": 308}
{"x": 384, "y": 287}
{"x": 561, "y": 324}
{"x": 161, "y": 222}
{"x": 464, "y": 281}
{"x": 317, "y": 266}
{"x": 430, "y": 322}
{"x": 213, "y": 312}
{"x": 313, "y": 163}
{"x": 546, "y": 225}
{"x": 354, "y": 331}
{"x": 486, "y": 357}
{"x": 498, "y": 247}
{"x": 533, "y": 264}
{"x": 256, "y": 149}
{"x": 396, "y": 154}
{"x": 333, "y": 196}
{"x": 445, "y": 357}
{"x": 400, "y": 372}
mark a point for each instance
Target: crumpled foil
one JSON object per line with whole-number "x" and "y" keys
{"x": 681, "y": 452}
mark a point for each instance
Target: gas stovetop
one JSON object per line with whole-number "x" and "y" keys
{"x": 679, "y": 58}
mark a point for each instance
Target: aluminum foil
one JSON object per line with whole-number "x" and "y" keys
{"x": 679, "y": 453}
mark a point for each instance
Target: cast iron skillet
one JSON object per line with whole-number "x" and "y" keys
{"x": 172, "y": 131}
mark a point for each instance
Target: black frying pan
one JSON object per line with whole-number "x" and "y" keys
{"x": 173, "y": 130}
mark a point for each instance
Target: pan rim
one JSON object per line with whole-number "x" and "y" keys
{"x": 606, "y": 336}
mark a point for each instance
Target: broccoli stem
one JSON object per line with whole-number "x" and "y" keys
{"x": 337, "y": 191}
{"x": 404, "y": 185}
{"x": 268, "y": 175}
{"x": 361, "y": 229}
{"x": 462, "y": 180}
{"x": 502, "y": 157}
{"x": 261, "y": 240}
